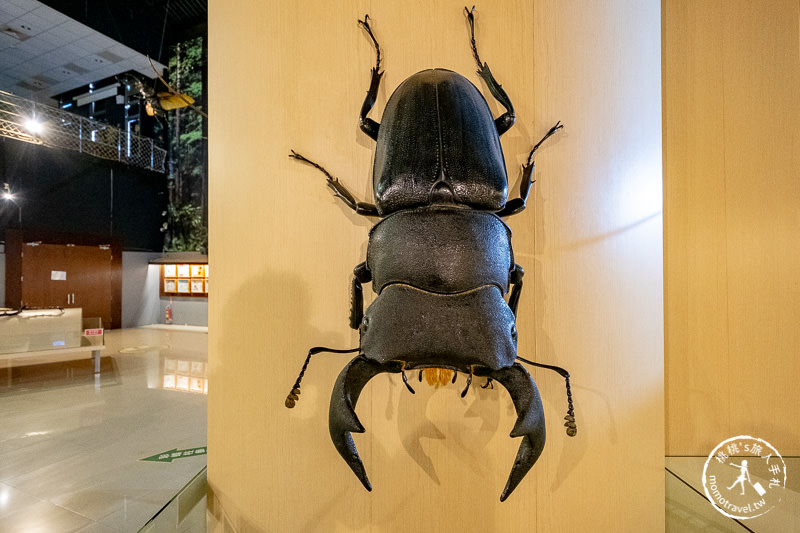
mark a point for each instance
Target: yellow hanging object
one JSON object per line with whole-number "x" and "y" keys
{"x": 174, "y": 101}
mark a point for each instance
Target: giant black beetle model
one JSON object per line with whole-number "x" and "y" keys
{"x": 440, "y": 259}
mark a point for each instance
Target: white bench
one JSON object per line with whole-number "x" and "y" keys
{"x": 94, "y": 349}
{"x": 51, "y": 333}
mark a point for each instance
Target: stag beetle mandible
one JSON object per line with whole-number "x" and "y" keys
{"x": 440, "y": 259}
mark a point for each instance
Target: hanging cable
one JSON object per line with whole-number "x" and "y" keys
{"x": 163, "y": 33}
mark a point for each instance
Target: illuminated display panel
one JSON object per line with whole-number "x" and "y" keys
{"x": 184, "y": 279}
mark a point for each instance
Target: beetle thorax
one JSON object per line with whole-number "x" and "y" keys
{"x": 438, "y": 143}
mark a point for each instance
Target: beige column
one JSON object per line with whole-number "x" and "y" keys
{"x": 292, "y": 75}
{"x": 732, "y": 223}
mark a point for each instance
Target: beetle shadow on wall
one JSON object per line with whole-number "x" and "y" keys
{"x": 470, "y": 422}
{"x": 573, "y": 449}
{"x": 264, "y": 332}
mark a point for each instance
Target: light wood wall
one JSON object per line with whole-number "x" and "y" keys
{"x": 293, "y": 75}
{"x": 732, "y": 223}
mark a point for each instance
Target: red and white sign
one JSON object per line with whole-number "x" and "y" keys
{"x": 93, "y": 332}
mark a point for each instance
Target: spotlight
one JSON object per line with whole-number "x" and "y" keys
{"x": 7, "y": 194}
{"x": 34, "y": 126}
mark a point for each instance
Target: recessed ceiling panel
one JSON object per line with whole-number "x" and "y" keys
{"x": 44, "y": 53}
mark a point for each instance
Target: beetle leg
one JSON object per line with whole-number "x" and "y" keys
{"x": 360, "y": 275}
{"x": 469, "y": 382}
{"x": 369, "y": 126}
{"x": 405, "y": 379}
{"x": 342, "y": 416}
{"x": 507, "y": 119}
{"x": 516, "y": 205}
{"x": 516, "y": 280}
{"x": 339, "y": 190}
{"x": 530, "y": 421}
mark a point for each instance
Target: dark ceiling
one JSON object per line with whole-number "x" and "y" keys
{"x": 148, "y": 26}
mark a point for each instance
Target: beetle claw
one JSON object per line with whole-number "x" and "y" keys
{"x": 342, "y": 420}
{"x": 517, "y": 381}
{"x": 530, "y": 421}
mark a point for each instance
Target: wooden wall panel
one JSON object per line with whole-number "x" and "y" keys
{"x": 293, "y": 75}
{"x": 732, "y": 213}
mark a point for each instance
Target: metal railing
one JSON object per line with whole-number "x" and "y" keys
{"x": 29, "y": 121}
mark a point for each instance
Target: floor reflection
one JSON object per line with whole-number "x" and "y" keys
{"x": 71, "y": 442}
{"x": 184, "y": 375}
{"x": 21, "y": 379}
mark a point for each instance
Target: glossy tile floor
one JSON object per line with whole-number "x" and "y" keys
{"x": 688, "y": 510}
{"x": 72, "y": 443}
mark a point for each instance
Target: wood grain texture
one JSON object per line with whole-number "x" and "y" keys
{"x": 293, "y": 76}
{"x": 732, "y": 214}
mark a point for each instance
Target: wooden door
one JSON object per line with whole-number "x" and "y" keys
{"x": 45, "y": 281}
{"x": 90, "y": 280}
{"x": 67, "y": 275}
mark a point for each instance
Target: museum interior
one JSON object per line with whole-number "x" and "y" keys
{"x": 145, "y": 143}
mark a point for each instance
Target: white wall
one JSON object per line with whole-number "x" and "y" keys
{"x": 141, "y": 303}
{"x": 185, "y": 311}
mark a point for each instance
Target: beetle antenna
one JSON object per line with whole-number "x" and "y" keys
{"x": 572, "y": 428}
{"x": 294, "y": 395}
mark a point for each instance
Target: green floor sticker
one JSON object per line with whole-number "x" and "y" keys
{"x": 175, "y": 453}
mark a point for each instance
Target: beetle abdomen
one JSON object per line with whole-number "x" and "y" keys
{"x": 425, "y": 329}
{"x": 440, "y": 249}
{"x": 437, "y": 132}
